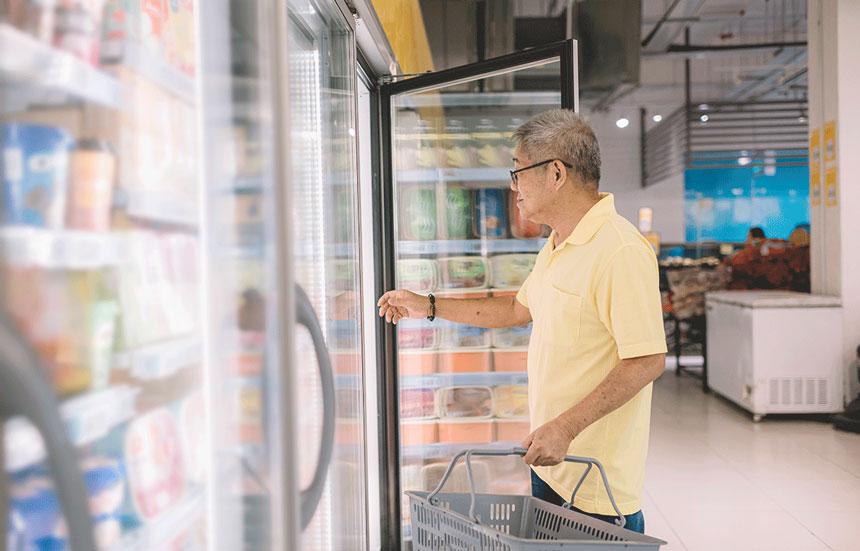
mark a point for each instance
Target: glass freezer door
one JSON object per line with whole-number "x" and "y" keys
{"x": 452, "y": 228}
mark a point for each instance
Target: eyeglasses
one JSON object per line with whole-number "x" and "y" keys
{"x": 515, "y": 172}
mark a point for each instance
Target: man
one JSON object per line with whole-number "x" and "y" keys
{"x": 597, "y": 340}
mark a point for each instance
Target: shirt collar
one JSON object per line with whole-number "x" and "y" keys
{"x": 590, "y": 223}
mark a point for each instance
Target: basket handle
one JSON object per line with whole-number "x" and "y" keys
{"x": 621, "y": 521}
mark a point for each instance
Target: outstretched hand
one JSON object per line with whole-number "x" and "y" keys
{"x": 399, "y": 304}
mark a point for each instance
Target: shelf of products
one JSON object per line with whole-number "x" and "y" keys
{"x": 161, "y": 533}
{"x": 88, "y": 417}
{"x": 501, "y": 176}
{"x": 160, "y": 360}
{"x": 38, "y": 63}
{"x": 160, "y": 205}
{"x": 61, "y": 249}
{"x": 166, "y": 76}
{"x": 470, "y": 246}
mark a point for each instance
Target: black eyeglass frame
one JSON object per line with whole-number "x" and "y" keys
{"x": 546, "y": 162}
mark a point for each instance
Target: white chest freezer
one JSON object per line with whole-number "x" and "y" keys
{"x": 775, "y": 351}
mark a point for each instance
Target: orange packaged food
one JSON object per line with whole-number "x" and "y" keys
{"x": 417, "y": 362}
{"x": 512, "y": 430}
{"x": 510, "y": 360}
{"x": 417, "y": 433}
{"x": 466, "y": 361}
{"x": 459, "y": 431}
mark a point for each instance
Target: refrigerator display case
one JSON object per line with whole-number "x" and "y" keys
{"x": 456, "y": 231}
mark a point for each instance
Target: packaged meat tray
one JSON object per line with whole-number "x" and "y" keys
{"x": 475, "y": 402}
{"x": 465, "y": 431}
{"x": 418, "y": 275}
{"x": 418, "y": 433}
{"x": 463, "y": 272}
{"x": 417, "y": 335}
{"x": 417, "y": 403}
{"x": 459, "y": 335}
{"x": 510, "y": 270}
{"x": 466, "y": 361}
{"x": 512, "y": 337}
{"x": 511, "y": 401}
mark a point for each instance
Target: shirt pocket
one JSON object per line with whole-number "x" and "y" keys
{"x": 564, "y": 317}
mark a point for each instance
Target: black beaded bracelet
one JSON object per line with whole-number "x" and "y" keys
{"x": 432, "y": 315}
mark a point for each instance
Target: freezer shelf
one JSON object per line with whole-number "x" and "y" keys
{"x": 470, "y": 246}
{"x": 162, "y": 359}
{"x": 159, "y": 205}
{"x": 167, "y": 77}
{"x": 39, "y": 63}
{"x": 61, "y": 249}
{"x": 172, "y": 524}
{"x": 88, "y": 418}
{"x": 465, "y": 175}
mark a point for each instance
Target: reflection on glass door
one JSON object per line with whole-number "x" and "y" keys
{"x": 458, "y": 233}
{"x": 324, "y": 198}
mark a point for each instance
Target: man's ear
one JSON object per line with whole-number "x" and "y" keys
{"x": 559, "y": 174}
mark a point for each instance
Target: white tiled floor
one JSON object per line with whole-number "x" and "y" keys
{"x": 716, "y": 480}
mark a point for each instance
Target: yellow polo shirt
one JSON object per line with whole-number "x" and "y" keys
{"x": 595, "y": 300}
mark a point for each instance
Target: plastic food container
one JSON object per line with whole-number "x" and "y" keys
{"x": 465, "y": 402}
{"x": 461, "y": 431}
{"x": 511, "y": 270}
{"x": 512, "y": 337}
{"x": 347, "y": 431}
{"x": 105, "y": 483}
{"x": 417, "y": 334}
{"x": 511, "y": 401}
{"x": 458, "y": 481}
{"x": 418, "y": 275}
{"x": 417, "y": 403}
{"x": 418, "y": 433}
{"x": 471, "y": 361}
{"x": 458, "y": 335}
{"x": 418, "y": 212}
{"x": 512, "y": 430}
{"x": 346, "y": 363}
{"x": 463, "y": 272}
{"x": 491, "y": 214}
{"x": 510, "y": 360}
{"x": 413, "y": 362}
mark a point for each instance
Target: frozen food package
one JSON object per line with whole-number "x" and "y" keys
{"x": 512, "y": 430}
{"x": 34, "y": 165}
{"x": 460, "y": 335}
{"x": 154, "y": 463}
{"x": 510, "y": 270}
{"x": 491, "y": 214}
{"x": 419, "y": 433}
{"x": 192, "y": 429}
{"x": 511, "y": 401}
{"x": 458, "y": 146}
{"x": 90, "y": 186}
{"x": 417, "y": 403}
{"x": 418, "y": 212}
{"x": 417, "y": 362}
{"x": 490, "y": 144}
{"x": 348, "y": 403}
{"x": 417, "y": 334}
{"x": 458, "y": 481}
{"x": 463, "y": 272}
{"x": 458, "y": 213}
{"x": 466, "y": 431}
{"x": 98, "y": 346}
{"x": 418, "y": 275}
{"x": 77, "y": 29}
{"x": 514, "y": 360}
{"x": 465, "y": 361}
{"x": 35, "y": 507}
{"x": 520, "y": 227}
{"x": 465, "y": 402}
{"x": 512, "y": 337}
{"x": 104, "y": 478}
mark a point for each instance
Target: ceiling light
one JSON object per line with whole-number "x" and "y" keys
{"x": 801, "y": 119}
{"x": 622, "y": 123}
{"x": 704, "y": 118}
{"x": 657, "y": 118}
{"x": 703, "y": 107}
{"x": 744, "y": 161}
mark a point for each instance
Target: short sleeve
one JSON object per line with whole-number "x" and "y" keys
{"x": 628, "y": 302}
{"x": 522, "y": 294}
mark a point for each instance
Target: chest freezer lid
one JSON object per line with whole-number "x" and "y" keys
{"x": 773, "y": 299}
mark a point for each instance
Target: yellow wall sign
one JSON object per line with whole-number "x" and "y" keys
{"x": 815, "y": 167}
{"x": 831, "y": 187}
{"x": 830, "y": 141}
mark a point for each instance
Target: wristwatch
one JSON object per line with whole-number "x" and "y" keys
{"x": 432, "y": 315}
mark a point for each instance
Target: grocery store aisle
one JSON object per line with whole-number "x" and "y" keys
{"x": 715, "y": 480}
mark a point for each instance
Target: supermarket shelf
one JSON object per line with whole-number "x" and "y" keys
{"x": 169, "y": 526}
{"x": 160, "y": 360}
{"x": 433, "y": 175}
{"x": 248, "y": 184}
{"x": 30, "y": 61}
{"x": 63, "y": 249}
{"x": 524, "y": 99}
{"x": 474, "y": 246}
{"x": 88, "y": 417}
{"x": 162, "y": 206}
{"x": 487, "y": 378}
{"x": 166, "y": 76}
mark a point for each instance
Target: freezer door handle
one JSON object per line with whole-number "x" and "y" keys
{"x": 311, "y": 496}
{"x": 24, "y": 391}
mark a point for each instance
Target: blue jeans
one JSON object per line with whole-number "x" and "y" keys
{"x": 542, "y": 490}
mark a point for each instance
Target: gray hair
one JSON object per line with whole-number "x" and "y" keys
{"x": 561, "y": 134}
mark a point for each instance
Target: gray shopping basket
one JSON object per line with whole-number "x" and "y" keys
{"x": 489, "y": 522}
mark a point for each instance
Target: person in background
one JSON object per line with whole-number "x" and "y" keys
{"x": 598, "y": 340}
{"x": 755, "y": 237}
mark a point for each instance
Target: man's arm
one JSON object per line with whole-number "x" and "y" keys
{"x": 549, "y": 443}
{"x": 481, "y": 312}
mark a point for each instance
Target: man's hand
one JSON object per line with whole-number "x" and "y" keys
{"x": 548, "y": 444}
{"x": 396, "y": 305}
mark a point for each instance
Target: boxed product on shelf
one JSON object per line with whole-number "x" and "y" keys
{"x": 512, "y": 430}
{"x": 77, "y": 28}
{"x": 511, "y": 401}
{"x": 345, "y": 362}
{"x": 492, "y": 146}
{"x": 466, "y": 431}
{"x": 510, "y": 360}
{"x": 34, "y": 174}
{"x": 464, "y": 361}
{"x": 460, "y": 335}
{"x": 463, "y": 272}
{"x": 512, "y": 337}
{"x": 348, "y": 431}
{"x": 491, "y": 214}
{"x": 467, "y": 401}
{"x": 457, "y": 145}
{"x": 418, "y": 433}
{"x": 417, "y": 334}
{"x": 418, "y": 212}
{"x": 458, "y": 213}
{"x": 510, "y": 270}
{"x": 90, "y": 186}
{"x": 520, "y": 227}
{"x": 348, "y": 403}
{"x": 419, "y": 275}
{"x": 417, "y": 403}
{"x": 417, "y": 362}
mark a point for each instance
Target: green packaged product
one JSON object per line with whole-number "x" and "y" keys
{"x": 458, "y": 213}
{"x": 418, "y": 209}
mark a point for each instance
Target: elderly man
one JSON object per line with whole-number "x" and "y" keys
{"x": 597, "y": 342}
